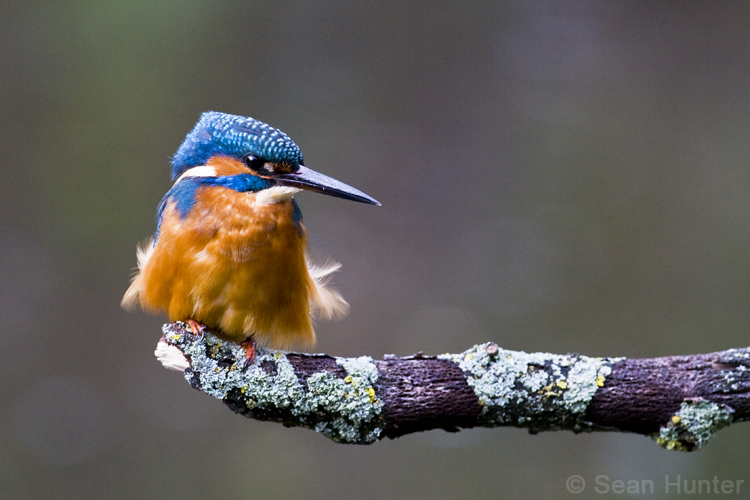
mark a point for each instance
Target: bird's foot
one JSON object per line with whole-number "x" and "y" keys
{"x": 197, "y": 328}
{"x": 249, "y": 346}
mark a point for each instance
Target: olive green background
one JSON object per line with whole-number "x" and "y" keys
{"x": 555, "y": 176}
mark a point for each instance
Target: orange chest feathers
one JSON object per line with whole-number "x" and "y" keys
{"x": 236, "y": 263}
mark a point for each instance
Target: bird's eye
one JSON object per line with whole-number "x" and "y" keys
{"x": 254, "y": 163}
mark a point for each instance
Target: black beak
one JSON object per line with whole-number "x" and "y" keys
{"x": 304, "y": 178}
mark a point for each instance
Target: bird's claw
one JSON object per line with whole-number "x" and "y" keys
{"x": 197, "y": 328}
{"x": 249, "y": 346}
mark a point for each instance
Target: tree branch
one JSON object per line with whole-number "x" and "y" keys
{"x": 680, "y": 401}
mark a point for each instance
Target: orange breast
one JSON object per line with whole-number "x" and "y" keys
{"x": 234, "y": 265}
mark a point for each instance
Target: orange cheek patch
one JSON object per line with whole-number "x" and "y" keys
{"x": 224, "y": 165}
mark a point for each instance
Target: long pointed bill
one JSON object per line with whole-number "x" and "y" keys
{"x": 304, "y": 178}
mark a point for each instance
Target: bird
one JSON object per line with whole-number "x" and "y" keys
{"x": 229, "y": 253}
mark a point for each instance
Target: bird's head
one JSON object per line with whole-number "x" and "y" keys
{"x": 267, "y": 152}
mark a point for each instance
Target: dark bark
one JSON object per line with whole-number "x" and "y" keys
{"x": 640, "y": 395}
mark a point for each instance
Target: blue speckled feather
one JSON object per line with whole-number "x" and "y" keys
{"x": 221, "y": 134}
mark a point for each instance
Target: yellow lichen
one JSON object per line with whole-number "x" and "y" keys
{"x": 549, "y": 391}
{"x": 600, "y": 380}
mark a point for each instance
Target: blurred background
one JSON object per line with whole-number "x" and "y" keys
{"x": 562, "y": 177}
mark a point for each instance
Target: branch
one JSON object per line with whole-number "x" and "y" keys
{"x": 680, "y": 401}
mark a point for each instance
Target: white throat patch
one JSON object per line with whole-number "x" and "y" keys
{"x": 275, "y": 194}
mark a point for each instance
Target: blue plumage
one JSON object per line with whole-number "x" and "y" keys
{"x": 242, "y": 183}
{"x": 221, "y": 134}
{"x": 183, "y": 193}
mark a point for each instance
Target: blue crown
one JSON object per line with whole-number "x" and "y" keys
{"x": 220, "y": 134}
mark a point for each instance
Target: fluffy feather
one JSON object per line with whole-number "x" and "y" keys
{"x": 130, "y": 302}
{"x": 327, "y": 302}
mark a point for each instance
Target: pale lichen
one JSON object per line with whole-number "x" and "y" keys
{"x": 541, "y": 391}
{"x": 341, "y": 408}
{"x": 693, "y": 425}
{"x": 349, "y": 401}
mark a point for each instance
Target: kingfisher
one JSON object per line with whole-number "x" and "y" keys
{"x": 230, "y": 251}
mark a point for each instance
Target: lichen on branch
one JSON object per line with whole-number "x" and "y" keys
{"x": 680, "y": 401}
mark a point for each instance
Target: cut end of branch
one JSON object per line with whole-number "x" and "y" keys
{"x": 170, "y": 356}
